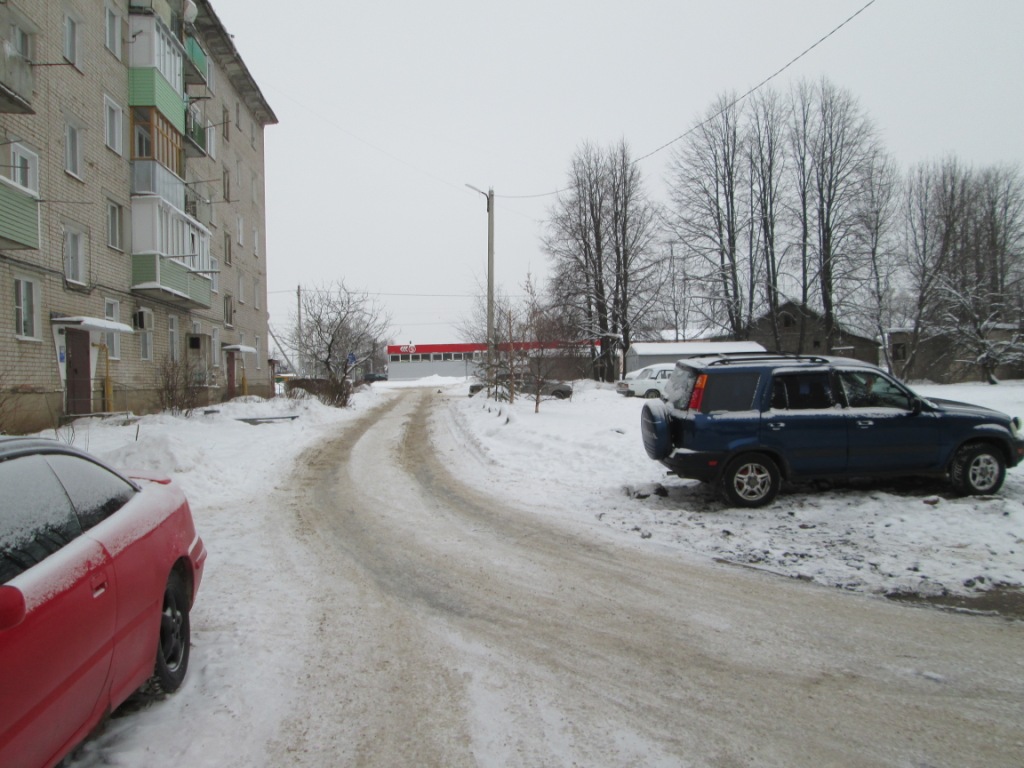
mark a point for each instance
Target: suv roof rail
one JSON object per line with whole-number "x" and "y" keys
{"x": 761, "y": 356}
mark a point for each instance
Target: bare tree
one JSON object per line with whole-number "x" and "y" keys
{"x": 843, "y": 147}
{"x": 707, "y": 215}
{"x": 875, "y": 235}
{"x": 600, "y": 237}
{"x": 766, "y": 148}
{"x": 340, "y": 329}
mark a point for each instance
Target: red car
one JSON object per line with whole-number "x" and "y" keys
{"x": 98, "y": 573}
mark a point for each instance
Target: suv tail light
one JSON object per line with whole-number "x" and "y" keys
{"x": 698, "y": 392}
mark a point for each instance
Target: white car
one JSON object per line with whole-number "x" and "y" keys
{"x": 648, "y": 382}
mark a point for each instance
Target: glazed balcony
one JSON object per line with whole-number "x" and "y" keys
{"x": 19, "y": 217}
{"x": 16, "y": 83}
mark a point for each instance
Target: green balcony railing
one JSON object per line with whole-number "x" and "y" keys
{"x": 170, "y": 280}
{"x": 196, "y": 67}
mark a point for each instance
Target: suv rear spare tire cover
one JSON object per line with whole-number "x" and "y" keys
{"x": 654, "y": 424}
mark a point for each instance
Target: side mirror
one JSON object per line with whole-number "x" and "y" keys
{"x": 12, "y": 608}
{"x": 916, "y": 406}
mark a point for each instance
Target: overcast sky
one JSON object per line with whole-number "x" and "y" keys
{"x": 388, "y": 109}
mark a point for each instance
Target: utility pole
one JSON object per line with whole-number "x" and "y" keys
{"x": 298, "y": 298}
{"x": 489, "y": 194}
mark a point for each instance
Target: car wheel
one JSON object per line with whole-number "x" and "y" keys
{"x": 175, "y": 638}
{"x": 652, "y": 394}
{"x": 978, "y": 469}
{"x": 752, "y": 480}
{"x": 654, "y": 426}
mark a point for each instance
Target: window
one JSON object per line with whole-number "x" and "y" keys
{"x": 240, "y": 228}
{"x": 113, "y": 124}
{"x": 215, "y": 275}
{"x": 172, "y": 338}
{"x": 226, "y": 184}
{"x": 211, "y": 139}
{"x": 241, "y": 289}
{"x": 36, "y": 517}
{"x": 154, "y": 138}
{"x": 112, "y": 312}
{"x": 113, "y": 32}
{"x": 256, "y": 292}
{"x": 95, "y": 492}
{"x": 211, "y": 77}
{"x": 730, "y": 392}
{"x": 115, "y": 225}
{"x": 899, "y": 351}
{"x": 256, "y": 344}
{"x": 229, "y": 310}
{"x": 24, "y": 167}
{"x": 73, "y": 149}
{"x": 143, "y": 322}
{"x": 227, "y": 248}
{"x": 74, "y": 254}
{"x": 169, "y": 58}
{"x": 26, "y": 308}
{"x": 802, "y": 391}
{"x": 71, "y": 34}
{"x": 22, "y": 41}
{"x": 225, "y": 124}
{"x": 255, "y": 242}
{"x": 215, "y": 347}
{"x": 867, "y": 389}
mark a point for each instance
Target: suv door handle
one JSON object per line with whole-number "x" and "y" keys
{"x": 777, "y": 425}
{"x": 863, "y": 423}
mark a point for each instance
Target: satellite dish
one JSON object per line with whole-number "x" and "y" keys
{"x": 190, "y": 12}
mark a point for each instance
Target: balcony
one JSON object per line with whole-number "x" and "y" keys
{"x": 195, "y": 136}
{"x": 16, "y": 82}
{"x": 195, "y": 64}
{"x": 164, "y": 279}
{"x": 19, "y": 217}
{"x": 148, "y": 88}
{"x": 151, "y": 178}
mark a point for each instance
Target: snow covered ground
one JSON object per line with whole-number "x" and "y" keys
{"x": 580, "y": 461}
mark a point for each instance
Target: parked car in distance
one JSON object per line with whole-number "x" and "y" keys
{"x": 650, "y": 382}
{"x": 748, "y": 423}
{"x": 98, "y": 573}
{"x": 526, "y": 385}
{"x": 369, "y": 378}
{"x": 622, "y": 385}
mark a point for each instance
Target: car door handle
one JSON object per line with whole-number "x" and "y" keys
{"x": 863, "y": 423}
{"x": 99, "y": 585}
{"x": 777, "y": 425}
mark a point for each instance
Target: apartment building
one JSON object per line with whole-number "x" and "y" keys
{"x": 132, "y": 209}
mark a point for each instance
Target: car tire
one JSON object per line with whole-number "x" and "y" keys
{"x": 173, "y": 643}
{"x": 652, "y": 394}
{"x": 978, "y": 470}
{"x": 751, "y": 480}
{"x": 654, "y": 426}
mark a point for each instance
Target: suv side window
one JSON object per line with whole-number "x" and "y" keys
{"x": 868, "y": 389}
{"x": 95, "y": 492}
{"x": 728, "y": 391}
{"x": 802, "y": 391}
{"x": 36, "y": 517}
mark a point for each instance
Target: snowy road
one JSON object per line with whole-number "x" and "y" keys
{"x": 459, "y": 630}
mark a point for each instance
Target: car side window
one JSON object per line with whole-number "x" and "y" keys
{"x": 95, "y": 491}
{"x": 730, "y": 392}
{"x": 36, "y": 516}
{"x": 802, "y": 391}
{"x": 868, "y": 389}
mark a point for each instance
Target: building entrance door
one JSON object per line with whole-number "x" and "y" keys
{"x": 79, "y": 376}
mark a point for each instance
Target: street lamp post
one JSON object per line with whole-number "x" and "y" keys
{"x": 489, "y": 194}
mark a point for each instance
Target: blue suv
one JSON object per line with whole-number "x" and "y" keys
{"x": 748, "y": 423}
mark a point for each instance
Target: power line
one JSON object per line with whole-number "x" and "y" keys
{"x": 735, "y": 101}
{"x": 757, "y": 87}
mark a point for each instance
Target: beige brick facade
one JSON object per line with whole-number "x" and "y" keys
{"x": 99, "y": 117}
